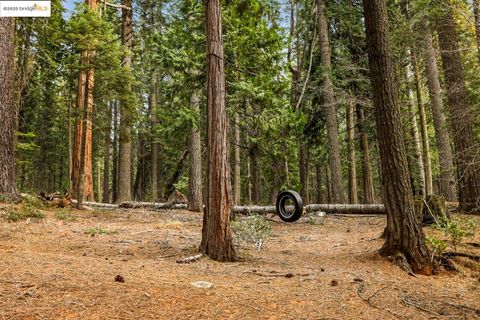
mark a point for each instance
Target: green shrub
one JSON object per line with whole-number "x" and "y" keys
{"x": 253, "y": 230}
{"x": 24, "y": 213}
{"x": 436, "y": 246}
{"x": 456, "y": 230}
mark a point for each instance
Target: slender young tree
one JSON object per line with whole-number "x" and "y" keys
{"x": 216, "y": 234}
{"x": 403, "y": 233}
{"x": 195, "y": 197}
{"x": 153, "y": 118}
{"x": 367, "y": 180}
{"x": 330, "y": 107}
{"x": 237, "y": 186}
{"x": 461, "y": 113}
{"x": 352, "y": 159}
{"x": 8, "y": 112}
{"x": 446, "y": 180}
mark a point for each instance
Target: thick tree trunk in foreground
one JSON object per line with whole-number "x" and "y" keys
{"x": 461, "y": 114}
{"x": 195, "y": 196}
{"x": 403, "y": 233}
{"x": 8, "y": 112}
{"x": 125, "y": 139}
{"x": 216, "y": 234}
{"x": 367, "y": 180}
{"x": 330, "y": 107}
{"x": 237, "y": 179}
{"x": 352, "y": 159}
{"x": 446, "y": 180}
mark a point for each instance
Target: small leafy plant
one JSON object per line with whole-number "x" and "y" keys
{"x": 25, "y": 212}
{"x": 456, "y": 230}
{"x": 436, "y": 246}
{"x": 254, "y": 230}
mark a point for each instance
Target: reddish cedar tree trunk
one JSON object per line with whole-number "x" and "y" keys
{"x": 83, "y": 136}
{"x": 125, "y": 136}
{"x": 461, "y": 114}
{"x": 8, "y": 112}
{"x": 446, "y": 180}
{"x": 330, "y": 107}
{"x": 195, "y": 196}
{"x": 403, "y": 232}
{"x": 367, "y": 180}
{"x": 216, "y": 233}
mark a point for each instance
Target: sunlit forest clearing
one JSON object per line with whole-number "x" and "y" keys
{"x": 241, "y": 159}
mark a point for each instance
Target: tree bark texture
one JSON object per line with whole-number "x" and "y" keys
{"x": 446, "y": 180}
{"x": 330, "y": 107}
{"x": 352, "y": 159}
{"x": 8, "y": 112}
{"x": 217, "y": 240}
{"x": 403, "y": 232}
{"x": 195, "y": 195}
{"x": 125, "y": 136}
{"x": 461, "y": 114}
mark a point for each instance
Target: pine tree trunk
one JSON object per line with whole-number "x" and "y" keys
{"x": 153, "y": 117}
{"x": 217, "y": 240}
{"x": 8, "y": 112}
{"x": 427, "y": 163}
{"x": 115, "y": 153}
{"x": 352, "y": 159}
{"x": 304, "y": 172}
{"x": 106, "y": 158}
{"x": 415, "y": 135}
{"x": 461, "y": 114}
{"x": 84, "y": 136}
{"x": 195, "y": 196}
{"x": 320, "y": 195}
{"x": 125, "y": 139}
{"x": 248, "y": 186}
{"x": 237, "y": 179}
{"x": 141, "y": 158}
{"x": 367, "y": 180}
{"x": 403, "y": 233}
{"x": 330, "y": 108}
{"x": 255, "y": 175}
{"x": 446, "y": 179}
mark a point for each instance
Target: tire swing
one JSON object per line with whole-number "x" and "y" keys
{"x": 289, "y": 206}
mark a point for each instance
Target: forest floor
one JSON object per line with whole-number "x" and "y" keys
{"x": 64, "y": 267}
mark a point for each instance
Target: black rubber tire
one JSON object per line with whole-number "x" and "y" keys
{"x": 297, "y": 202}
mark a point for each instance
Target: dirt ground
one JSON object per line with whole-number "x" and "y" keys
{"x": 60, "y": 269}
